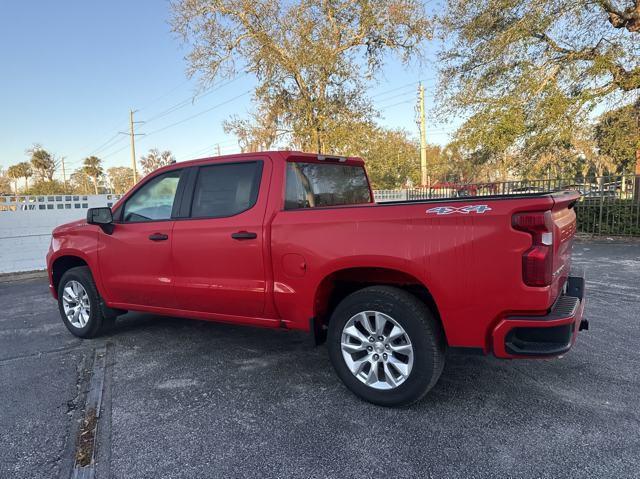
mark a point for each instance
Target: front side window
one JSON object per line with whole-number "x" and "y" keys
{"x": 310, "y": 185}
{"x": 154, "y": 200}
{"x": 226, "y": 189}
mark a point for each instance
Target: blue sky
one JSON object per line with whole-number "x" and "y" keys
{"x": 70, "y": 71}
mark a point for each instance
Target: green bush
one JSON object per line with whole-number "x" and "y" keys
{"x": 618, "y": 217}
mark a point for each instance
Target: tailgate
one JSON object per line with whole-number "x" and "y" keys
{"x": 564, "y": 231}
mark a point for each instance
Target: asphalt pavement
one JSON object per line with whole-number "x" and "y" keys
{"x": 184, "y": 399}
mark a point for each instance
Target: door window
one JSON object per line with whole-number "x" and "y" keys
{"x": 226, "y": 190}
{"x": 153, "y": 201}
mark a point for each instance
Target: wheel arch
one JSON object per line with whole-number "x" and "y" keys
{"x": 62, "y": 264}
{"x": 337, "y": 285}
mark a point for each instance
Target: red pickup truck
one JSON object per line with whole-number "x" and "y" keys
{"x": 295, "y": 241}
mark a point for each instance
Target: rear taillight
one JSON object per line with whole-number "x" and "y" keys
{"x": 537, "y": 261}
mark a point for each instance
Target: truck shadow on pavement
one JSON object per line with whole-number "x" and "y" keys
{"x": 280, "y": 355}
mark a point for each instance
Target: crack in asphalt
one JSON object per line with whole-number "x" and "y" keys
{"x": 42, "y": 353}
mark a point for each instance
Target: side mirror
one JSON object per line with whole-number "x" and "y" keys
{"x": 101, "y": 217}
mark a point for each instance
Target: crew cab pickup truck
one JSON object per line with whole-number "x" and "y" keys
{"x": 295, "y": 241}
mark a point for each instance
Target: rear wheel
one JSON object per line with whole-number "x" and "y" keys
{"x": 79, "y": 304}
{"x": 386, "y": 346}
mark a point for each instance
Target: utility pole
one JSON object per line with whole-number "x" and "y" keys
{"x": 132, "y": 134}
{"x": 133, "y": 147}
{"x": 218, "y": 149}
{"x": 423, "y": 139}
{"x": 64, "y": 175}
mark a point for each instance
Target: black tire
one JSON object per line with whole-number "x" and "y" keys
{"x": 98, "y": 323}
{"x": 424, "y": 332}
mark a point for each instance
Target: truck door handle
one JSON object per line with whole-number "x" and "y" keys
{"x": 158, "y": 237}
{"x": 242, "y": 235}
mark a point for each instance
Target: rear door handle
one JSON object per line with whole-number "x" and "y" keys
{"x": 158, "y": 237}
{"x": 242, "y": 235}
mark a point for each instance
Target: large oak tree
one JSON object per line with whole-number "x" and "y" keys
{"x": 311, "y": 59}
{"x": 530, "y": 73}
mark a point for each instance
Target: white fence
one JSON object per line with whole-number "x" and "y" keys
{"x": 381, "y": 196}
{"x": 26, "y": 223}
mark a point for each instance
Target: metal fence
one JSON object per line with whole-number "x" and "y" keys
{"x": 609, "y": 205}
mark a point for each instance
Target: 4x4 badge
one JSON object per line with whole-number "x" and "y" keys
{"x": 447, "y": 210}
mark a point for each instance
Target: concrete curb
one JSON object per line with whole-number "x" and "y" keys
{"x": 21, "y": 276}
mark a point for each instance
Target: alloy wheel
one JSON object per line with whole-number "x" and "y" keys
{"x": 377, "y": 350}
{"x": 75, "y": 302}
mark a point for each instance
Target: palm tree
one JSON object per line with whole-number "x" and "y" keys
{"x": 93, "y": 169}
{"x": 21, "y": 170}
{"x": 27, "y": 172}
{"x": 14, "y": 173}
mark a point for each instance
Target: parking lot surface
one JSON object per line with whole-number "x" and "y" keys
{"x": 186, "y": 399}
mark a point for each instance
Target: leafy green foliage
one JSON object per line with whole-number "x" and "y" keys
{"x": 44, "y": 164}
{"x": 81, "y": 183}
{"x": 120, "y": 178}
{"x": 311, "y": 60}
{"x": 617, "y": 134}
{"x": 392, "y": 157}
{"x": 45, "y": 187}
{"x": 5, "y": 183}
{"x": 621, "y": 217}
{"x": 528, "y": 74}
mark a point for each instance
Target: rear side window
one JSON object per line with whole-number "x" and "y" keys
{"x": 310, "y": 185}
{"x": 226, "y": 190}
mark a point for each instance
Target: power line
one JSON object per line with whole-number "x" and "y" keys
{"x": 178, "y": 106}
{"x": 85, "y": 148}
{"x": 412, "y": 93}
{"x": 164, "y": 95}
{"x": 183, "y": 120}
{"x": 105, "y": 147}
{"x": 198, "y": 114}
{"x": 117, "y": 138}
{"x": 407, "y": 89}
{"x": 191, "y": 99}
{"x": 107, "y": 144}
{"x": 399, "y": 103}
{"x": 413, "y": 83}
{"x": 114, "y": 152}
{"x": 207, "y": 148}
{"x": 224, "y": 145}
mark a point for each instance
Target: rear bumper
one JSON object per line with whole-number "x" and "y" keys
{"x": 544, "y": 336}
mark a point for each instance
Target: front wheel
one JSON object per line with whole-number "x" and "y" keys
{"x": 386, "y": 346}
{"x": 79, "y": 304}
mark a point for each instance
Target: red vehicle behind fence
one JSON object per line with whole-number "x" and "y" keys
{"x": 294, "y": 240}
